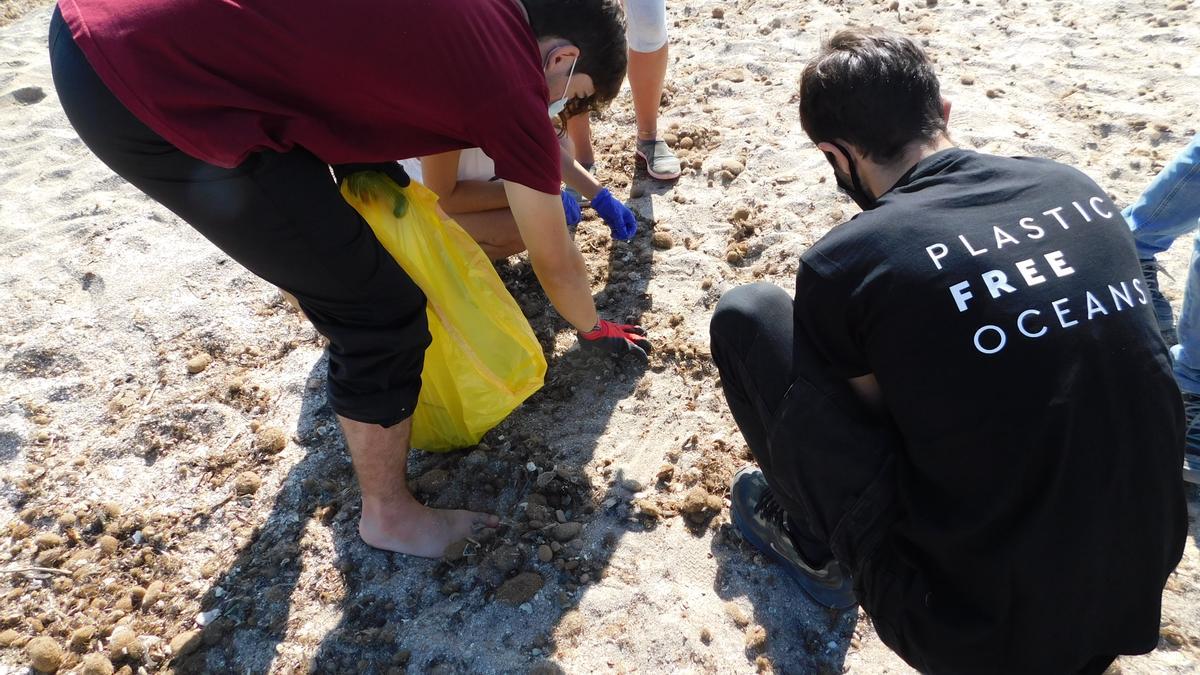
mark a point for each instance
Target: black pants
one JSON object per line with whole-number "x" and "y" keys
{"x": 280, "y": 215}
{"x": 828, "y": 460}
{"x": 826, "y": 457}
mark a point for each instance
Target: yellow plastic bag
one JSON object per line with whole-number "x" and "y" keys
{"x": 484, "y": 359}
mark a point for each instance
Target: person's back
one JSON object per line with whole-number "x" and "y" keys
{"x": 998, "y": 303}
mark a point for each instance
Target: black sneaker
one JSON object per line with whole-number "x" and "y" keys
{"x": 764, "y": 523}
{"x": 1191, "y": 449}
{"x": 1162, "y": 308}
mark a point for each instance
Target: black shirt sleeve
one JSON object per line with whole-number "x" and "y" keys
{"x": 824, "y": 309}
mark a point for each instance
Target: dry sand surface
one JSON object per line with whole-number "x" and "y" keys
{"x": 166, "y": 444}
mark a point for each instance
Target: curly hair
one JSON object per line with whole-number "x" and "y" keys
{"x": 597, "y": 28}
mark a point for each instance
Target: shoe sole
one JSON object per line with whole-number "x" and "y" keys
{"x": 833, "y": 598}
{"x": 656, "y": 176}
{"x": 1191, "y": 469}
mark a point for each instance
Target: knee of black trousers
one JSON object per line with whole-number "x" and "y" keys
{"x": 375, "y": 366}
{"x": 740, "y": 309}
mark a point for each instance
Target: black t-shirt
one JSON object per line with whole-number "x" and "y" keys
{"x": 1000, "y": 304}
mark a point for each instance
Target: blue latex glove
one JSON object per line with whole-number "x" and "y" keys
{"x": 618, "y": 216}
{"x": 571, "y": 210}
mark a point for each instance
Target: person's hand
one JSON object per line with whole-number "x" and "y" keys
{"x": 393, "y": 170}
{"x": 571, "y": 210}
{"x": 617, "y": 338}
{"x": 618, "y": 216}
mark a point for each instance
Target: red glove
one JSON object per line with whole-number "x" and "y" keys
{"x": 617, "y": 338}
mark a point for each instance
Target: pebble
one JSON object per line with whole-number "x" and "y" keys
{"x": 560, "y": 516}
{"x": 732, "y": 166}
{"x": 662, "y": 240}
{"x": 185, "y": 642}
{"x": 271, "y": 440}
{"x": 545, "y": 478}
{"x": 44, "y": 654}
{"x": 432, "y": 482}
{"x": 96, "y": 664}
{"x": 564, "y": 532}
{"x": 108, "y": 544}
{"x": 706, "y": 635}
{"x": 456, "y": 551}
{"x": 205, "y": 618}
{"x": 545, "y": 554}
{"x": 739, "y": 214}
{"x": 82, "y": 637}
{"x": 505, "y": 558}
{"x": 756, "y": 638}
{"x": 247, "y": 483}
{"x": 967, "y": 80}
{"x": 520, "y": 588}
{"x": 737, "y": 615}
{"x": 9, "y": 637}
{"x": 632, "y": 485}
{"x": 198, "y": 363}
{"x": 718, "y": 13}
{"x": 153, "y": 593}
{"x": 47, "y": 540}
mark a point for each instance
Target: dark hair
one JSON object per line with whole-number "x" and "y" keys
{"x": 874, "y": 89}
{"x": 597, "y": 27}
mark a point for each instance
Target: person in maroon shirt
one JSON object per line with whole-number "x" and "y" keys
{"x": 231, "y": 113}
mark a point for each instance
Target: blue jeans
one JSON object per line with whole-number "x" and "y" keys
{"x": 1167, "y": 210}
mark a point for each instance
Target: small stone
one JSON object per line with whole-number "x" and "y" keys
{"x": 247, "y": 483}
{"x": 756, "y": 638}
{"x": 632, "y": 485}
{"x": 718, "y": 13}
{"x": 270, "y": 440}
{"x": 564, "y": 532}
{"x": 662, "y": 240}
{"x": 687, "y": 143}
{"x": 198, "y": 363}
{"x": 124, "y": 642}
{"x": 96, "y": 664}
{"x": 432, "y": 482}
{"x": 456, "y": 551}
{"x": 108, "y": 544}
{"x": 706, "y": 635}
{"x": 185, "y": 642}
{"x": 732, "y": 166}
{"x": 505, "y": 558}
{"x": 520, "y": 588}
{"x": 665, "y": 472}
{"x": 740, "y": 214}
{"x": 995, "y": 93}
{"x": 153, "y": 594}
{"x": 545, "y": 554}
{"x": 967, "y": 80}
{"x": 9, "y": 638}
{"x": 545, "y": 478}
{"x": 82, "y": 637}
{"x": 714, "y": 503}
{"x": 47, "y": 540}
{"x": 44, "y": 654}
{"x": 706, "y": 284}
{"x": 737, "y": 615}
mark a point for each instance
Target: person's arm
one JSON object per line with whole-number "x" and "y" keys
{"x": 556, "y": 262}
{"x": 440, "y": 173}
{"x": 867, "y": 389}
{"x": 579, "y": 178}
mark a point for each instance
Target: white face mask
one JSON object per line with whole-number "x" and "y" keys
{"x": 558, "y": 106}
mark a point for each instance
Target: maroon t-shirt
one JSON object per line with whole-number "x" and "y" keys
{"x": 350, "y": 81}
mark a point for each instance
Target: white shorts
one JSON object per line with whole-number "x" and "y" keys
{"x": 646, "y": 25}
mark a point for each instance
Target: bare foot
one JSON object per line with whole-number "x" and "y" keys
{"x": 418, "y": 530}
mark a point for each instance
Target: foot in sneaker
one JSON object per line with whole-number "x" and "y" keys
{"x": 1191, "y": 449}
{"x": 661, "y": 163}
{"x": 1162, "y": 308}
{"x": 764, "y": 523}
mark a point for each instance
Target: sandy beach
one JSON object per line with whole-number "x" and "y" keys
{"x": 167, "y": 451}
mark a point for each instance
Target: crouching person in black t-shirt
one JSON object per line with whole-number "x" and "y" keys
{"x": 942, "y": 415}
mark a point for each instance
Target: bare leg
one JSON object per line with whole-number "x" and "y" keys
{"x": 392, "y": 519}
{"x": 579, "y": 131}
{"x": 495, "y": 231}
{"x": 647, "y": 71}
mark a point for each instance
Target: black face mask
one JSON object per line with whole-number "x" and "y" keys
{"x": 854, "y": 187}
